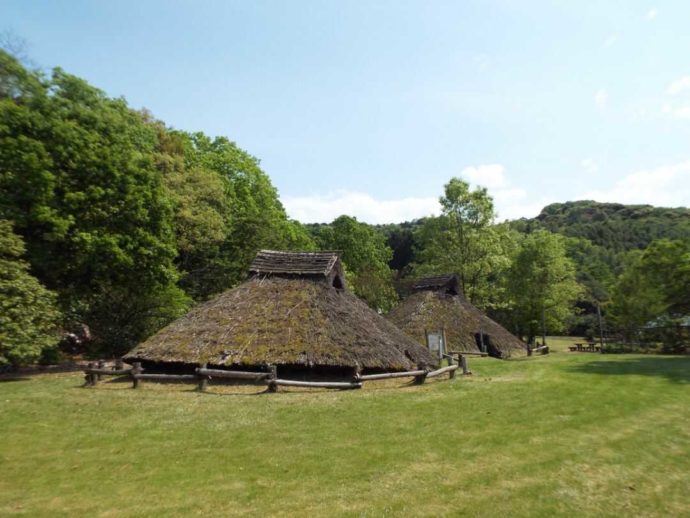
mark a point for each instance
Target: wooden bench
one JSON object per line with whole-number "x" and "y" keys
{"x": 589, "y": 347}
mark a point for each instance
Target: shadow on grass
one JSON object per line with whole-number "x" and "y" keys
{"x": 673, "y": 368}
{"x": 13, "y": 378}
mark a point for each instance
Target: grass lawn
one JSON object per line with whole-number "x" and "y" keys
{"x": 576, "y": 434}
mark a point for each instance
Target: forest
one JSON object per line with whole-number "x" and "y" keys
{"x": 112, "y": 224}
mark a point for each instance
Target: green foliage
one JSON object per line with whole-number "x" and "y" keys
{"x": 666, "y": 265}
{"x": 654, "y": 287}
{"x": 119, "y": 213}
{"x": 28, "y": 316}
{"x": 236, "y": 213}
{"x": 594, "y": 266}
{"x": 635, "y": 300}
{"x": 80, "y": 182}
{"x": 542, "y": 284}
{"x": 365, "y": 255}
{"x": 463, "y": 240}
{"x": 614, "y": 226}
{"x": 400, "y": 238}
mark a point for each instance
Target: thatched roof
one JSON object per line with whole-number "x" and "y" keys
{"x": 448, "y": 281}
{"x": 433, "y": 307}
{"x": 294, "y": 263}
{"x": 284, "y": 320}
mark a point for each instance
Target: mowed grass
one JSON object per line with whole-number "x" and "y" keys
{"x": 571, "y": 434}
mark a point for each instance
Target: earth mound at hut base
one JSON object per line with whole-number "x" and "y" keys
{"x": 293, "y": 323}
{"x": 428, "y": 310}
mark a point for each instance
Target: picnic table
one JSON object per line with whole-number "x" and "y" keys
{"x": 589, "y": 347}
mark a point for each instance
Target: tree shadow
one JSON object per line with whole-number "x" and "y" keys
{"x": 674, "y": 368}
{"x": 13, "y": 378}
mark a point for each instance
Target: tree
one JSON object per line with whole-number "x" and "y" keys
{"x": 665, "y": 263}
{"x": 542, "y": 285}
{"x": 365, "y": 255}
{"x": 77, "y": 176}
{"x": 465, "y": 241}
{"x": 224, "y": 231}
{"x": 635, "y": 299}
{"x": 28, "y": 316}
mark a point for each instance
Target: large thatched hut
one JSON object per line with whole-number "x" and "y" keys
{"x": 437, "y": 303}
{"x": 293, "y": 311}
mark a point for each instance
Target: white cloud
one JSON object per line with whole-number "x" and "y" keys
{"x": 666, "y": 186}
{"x": 677, "y": 86}
{"x": 610, "y": 41}
{"x": 491, "y": 176}
{"x": 589, "y": 165}
{"x": 325, "y": 208}
{"x": 511, "y": 202}
{"x": 601, "y": 98}
{"x": 652, "y": 13}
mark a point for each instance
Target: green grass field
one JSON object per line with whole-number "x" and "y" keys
{"x": 576, "y": 434}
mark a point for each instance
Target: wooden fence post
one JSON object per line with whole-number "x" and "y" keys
{"x": 273, "y": 370}
{"x": 463, "y": 362}
{"x": 203, "y": 379}
{"x": 89, "y": 379}
{"x": 136, "y": 369}
{"x": 357, "y": 373}
{"x": 419, "y": 380}
{"x": 101, "y": 365}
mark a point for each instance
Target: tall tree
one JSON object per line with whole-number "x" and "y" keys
{"x": 28, "y": 316}
{"x": 231, "y": 227}
{"x": 666, "y": 265}
{"x": 635, "y": 299}
{"x": 77, "y": 176}
{"x": 464, "y": 240}
{"x": 542, "y": 284}
{"x": 365, "y": 255}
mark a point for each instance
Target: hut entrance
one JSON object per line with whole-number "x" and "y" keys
{"x": 484, "y": 345}
{"x": 483, "y": 342}
{"x": 338, "y": 283}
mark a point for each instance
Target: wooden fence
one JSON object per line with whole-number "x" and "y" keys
{"x": 202, "y": 376}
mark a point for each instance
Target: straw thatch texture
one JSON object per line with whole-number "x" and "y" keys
{"x": 284, "y": 321}
{"x": 294, "y": 263}
{"x": 433, "y": 310}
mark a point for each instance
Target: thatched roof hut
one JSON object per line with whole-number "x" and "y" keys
{"x": 438, "y": 303}
{"x": 293, "y": 311}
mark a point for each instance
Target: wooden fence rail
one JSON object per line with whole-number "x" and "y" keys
{"x": 442, "y": 370}
{"x": 203, "y": 375}
{"x": 319, "y": 384}
{"x": 389, "y": 375}
{"x": 218, "y": 373}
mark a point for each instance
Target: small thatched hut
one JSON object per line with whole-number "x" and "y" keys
{"x": 438, "y": 303}
{"x": 293, "y": 311}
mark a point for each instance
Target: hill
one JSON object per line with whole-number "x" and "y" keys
{"x": 614, "y": 226}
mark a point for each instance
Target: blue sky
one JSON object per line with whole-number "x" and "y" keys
{"x": 368, "y": 107}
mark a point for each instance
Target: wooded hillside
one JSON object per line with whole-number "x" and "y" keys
{"x": 613, "y": 226}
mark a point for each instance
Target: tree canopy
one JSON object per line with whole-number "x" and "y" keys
{"x": 542, "y": 284}
{"x": 465, "y": 241}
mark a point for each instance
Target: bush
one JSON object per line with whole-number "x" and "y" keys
{"x": 28, "y": 317}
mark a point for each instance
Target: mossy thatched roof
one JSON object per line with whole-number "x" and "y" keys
{"x": 295, "y": 263}
{"x": 284, "y": 321}
{"x": 432, "y": 310}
